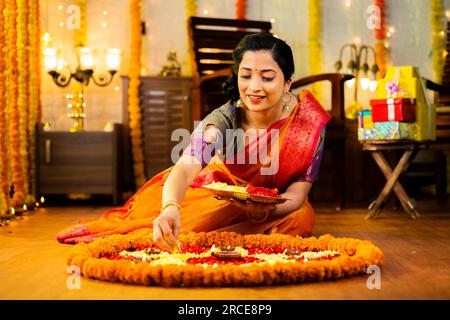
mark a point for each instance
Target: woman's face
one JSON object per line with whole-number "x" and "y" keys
{"x": 261, "y": 81}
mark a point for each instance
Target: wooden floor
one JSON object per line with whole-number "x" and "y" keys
{"x": 417, "y": 260}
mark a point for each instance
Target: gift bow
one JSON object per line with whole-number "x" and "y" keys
{"x": 393, "y": 89}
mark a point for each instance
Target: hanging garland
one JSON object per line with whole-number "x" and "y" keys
{"x": 315, "y": 47}
{"x": 4, "y": 164}
{"x": 37, "y": 47}
{"x": 134, "y": 108}
{"x": 34, "y": 98}
{"x": 80, "y": 40}
{"x": 438, "y": 38}
{"x": 5, "y": 114}
{"x": 14, "y": 132}
{"x": 190, "y": 8}
{"x": 23, "y": 90}
{"x": 380, "y": 43}
{"x": 241, "y": 9}
{"x": 191, "y": 11}
{"x": 80, "y": 34}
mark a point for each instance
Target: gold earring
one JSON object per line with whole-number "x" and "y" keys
{"x": 287, "y": 101}
{"x": 239, "y": 104}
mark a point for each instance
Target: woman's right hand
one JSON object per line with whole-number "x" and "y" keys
{"x": 166, "y": 228}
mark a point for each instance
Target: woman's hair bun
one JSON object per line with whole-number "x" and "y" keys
{"x": 230, "y": 88}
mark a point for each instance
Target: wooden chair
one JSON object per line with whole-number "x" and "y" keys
{"x": 440, "y": 148}
{"x": 337, "y": 132}
{"x": 211, "y": 44}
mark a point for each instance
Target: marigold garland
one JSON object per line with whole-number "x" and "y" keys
{"x": 190, "y": 7}
{"x": 381, "y": 53}
{"x": 23, "y": 90}
{"x": 134, "y": 108}
{"x": 314, "y": 44}
{"x": 356, "y": 256}
{"x": 80, "y": 34}
{"x": 3, "y": 204}
{"x": 6, "y": 116}
{"x": 34, "y": 97}
{"x": 80, "y": 40}
{"x": 438, "y": 38}
{"x": 241, "y": 9}
{"x": 37, "y": 47}
{"x": 4, "y": 161}
{"x": 12, "y": 96}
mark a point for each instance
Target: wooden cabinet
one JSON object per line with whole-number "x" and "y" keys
{"x": 165, "y": 107}
{"x": 81, "y": 162}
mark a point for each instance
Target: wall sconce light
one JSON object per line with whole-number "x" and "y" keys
{"x": 86, "y": 70}
{"x": 359, "y": 64}
{"x": 62, "y": 74}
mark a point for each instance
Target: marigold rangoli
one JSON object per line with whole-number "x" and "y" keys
{"x": 224, "y": 259}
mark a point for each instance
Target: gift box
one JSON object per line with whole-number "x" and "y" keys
{"x": 425, "y": 114}
{"x": 392, "y": 130}
{"x": 366, "y": 134}
{"x": 410, "y": 84}
{"x": 404, "y": 77}
{"x": 365, "y": 119}
{"x": 398, "y": 109}
{"x": 402, "y": 72}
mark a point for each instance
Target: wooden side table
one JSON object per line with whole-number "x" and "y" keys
{"x": 85, "y": 162}
{"x": 410, "y": 150}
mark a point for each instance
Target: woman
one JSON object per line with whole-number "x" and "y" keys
{"x": 290, "y": 132}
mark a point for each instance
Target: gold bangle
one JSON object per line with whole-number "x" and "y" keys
{"x": 168, "y": 204}
{"x": 261, "y": 220}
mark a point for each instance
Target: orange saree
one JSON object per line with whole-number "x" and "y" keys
{"x": 298, "y": 136}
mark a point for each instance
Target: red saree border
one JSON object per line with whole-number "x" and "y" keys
{"x": 301, "y": 139}
{"x": 324, "y": 121}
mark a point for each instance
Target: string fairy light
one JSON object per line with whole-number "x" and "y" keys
{"x": 104, "y": 22}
